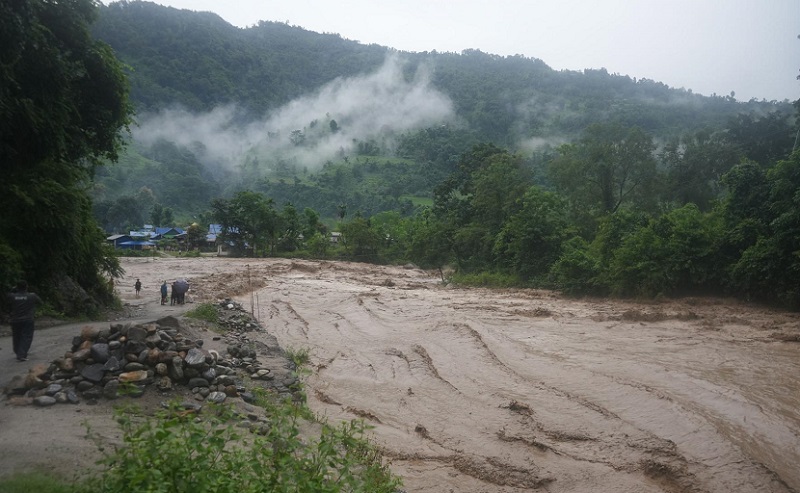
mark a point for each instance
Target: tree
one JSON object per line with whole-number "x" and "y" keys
{"x": 157, "y": 214}
{"x": 364, "y": 240}
{"x": 695, "y": 165}
{"x": 63, "y": 107}
{"x": 765, "y": 206}
{"x": 195, "y": 236}
{"x": 609, "y": 166}
{"x": 530, "y": 241}
{"x": 248, "y": 219}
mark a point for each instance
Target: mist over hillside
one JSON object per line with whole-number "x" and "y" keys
{"x": 251, "y": 107}
{"x": 312, "y": 129}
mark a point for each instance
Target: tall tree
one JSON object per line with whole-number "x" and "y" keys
{"x": 63, "y": 107}
{"x": 609, "y": 166}
{"x": 248, "y": 219}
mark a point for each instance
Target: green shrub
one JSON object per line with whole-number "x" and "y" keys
{"x": 300, "y": 357}
{"x": 204, "y": 311}
{"x": 487, "y": 279}
{"x": 177, "y": 452}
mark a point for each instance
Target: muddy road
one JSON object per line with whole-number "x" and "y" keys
{"x": 474, "y": 390}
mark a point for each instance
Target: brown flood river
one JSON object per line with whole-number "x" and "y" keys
{"x": 477, "y": 390}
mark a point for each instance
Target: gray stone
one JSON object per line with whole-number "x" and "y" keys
{"x": 93, "y": 373}
{"x": 197, "y": 382}
{"x": 112, "y": 364}
{"x": 152, "y": 340}
{"x": 176, "y": 369}
{"x": 53, "y": 389}
{"x": 84, "y": 385}
{"x": 93, "y": 393}
{"x": 111, "y": 389}
{"x": 135, "y": 366}
{"x": 137, "y": 333}
{"x": 210, "y": 374}
{"x": 217, "y": 397}
{"x": 44, "y": 401}
{"x": 169, "y": 321}
{"x": 195, "y": 357}
{"x": 100, "y": 352}
{"x": 72, "y": 397}
{"x": 135, "y": 347}
{"x": 162, "y": 369}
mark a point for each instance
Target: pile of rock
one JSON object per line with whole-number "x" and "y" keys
{"x": 127, "y": 359}
{"x": 233, "y": 316}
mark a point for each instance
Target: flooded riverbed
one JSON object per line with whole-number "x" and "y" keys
{"x": 475, "y": 390}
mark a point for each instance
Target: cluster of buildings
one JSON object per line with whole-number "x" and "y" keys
{"x": 148, "y": 238}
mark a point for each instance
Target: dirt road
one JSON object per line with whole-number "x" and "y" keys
{"x": 473, "y": 390}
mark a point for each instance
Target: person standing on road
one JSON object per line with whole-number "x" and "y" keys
{"x": 164, "y": 293}
{"x": 138, "y": 287}
{"x": 23, "y": 307}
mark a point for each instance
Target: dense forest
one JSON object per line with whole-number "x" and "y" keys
{"x": 502, "y": 168}
{"x": 198, "y": 62}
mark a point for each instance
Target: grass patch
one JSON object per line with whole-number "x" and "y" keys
{"x": 39, "y": 482}
{"x": 204, "y": 311}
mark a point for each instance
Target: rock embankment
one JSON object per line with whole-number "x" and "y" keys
{"x": 131, "y": 359}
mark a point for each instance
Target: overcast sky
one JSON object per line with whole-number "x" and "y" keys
{"x": 709, "y": 46}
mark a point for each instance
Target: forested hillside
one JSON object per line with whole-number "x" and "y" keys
{"x": 199, "y": 62}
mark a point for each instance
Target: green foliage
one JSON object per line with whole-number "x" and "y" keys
{"x": 249, "y": 220}
{"x": 360, "y": 239}
{"x": 175, "y": 452}
{"x": 486, "y": 279}
{"x": 299, "y": 357}
{"x": 530, "y": 240}
{"x": 769, "y": 265}
{"x": 204, "y": 311}
{"x": 64, "y": 108}
{"x": 10, "y": 267}
{"x": 577, "y": 270}
{"x": 671, "y": 255}
{"x": 609, "y": 166}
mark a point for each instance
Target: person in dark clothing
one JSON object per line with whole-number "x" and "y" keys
{"x": 138, "y": 287}
{"x": 164, "y": 293}
{"x": 23, "y": 307}
{"x": 172, "y": 295}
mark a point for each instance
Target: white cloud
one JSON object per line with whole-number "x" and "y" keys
{"x": 364, "y": 108}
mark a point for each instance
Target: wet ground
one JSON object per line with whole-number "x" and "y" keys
{"x": 474, "y": 390}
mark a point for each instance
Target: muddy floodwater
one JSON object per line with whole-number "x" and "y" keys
{"x": 478, "y": 390}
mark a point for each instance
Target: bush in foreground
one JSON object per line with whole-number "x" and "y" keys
{"x": 178, "y": 451}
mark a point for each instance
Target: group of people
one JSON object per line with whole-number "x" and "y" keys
{"x": 177, "y": 294}
{"x": 23, "y": 305}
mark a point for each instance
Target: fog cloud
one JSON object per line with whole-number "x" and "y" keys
{"x": 312, "y": 129}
